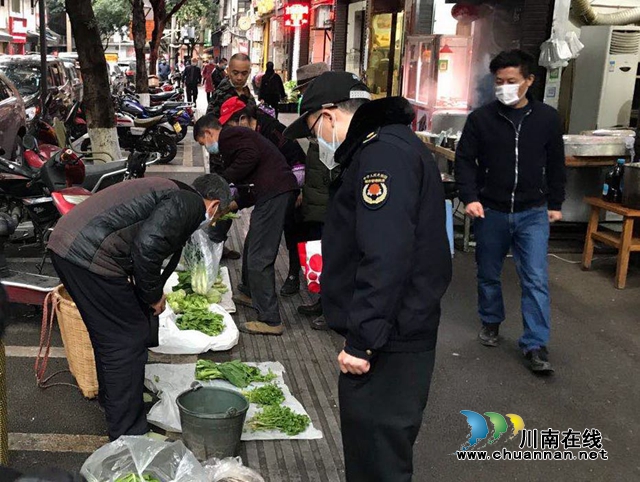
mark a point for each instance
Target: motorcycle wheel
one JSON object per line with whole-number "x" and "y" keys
{"x": 168, "y": 151}
{"x": 183, "y": 133}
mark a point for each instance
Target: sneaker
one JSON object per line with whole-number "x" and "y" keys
{"x": 488, "y": 335}
{"x": 320, "y": 324}
{"x": 539, "y": 361}
{"x": 314, "y": 309}
{"x": 230, "y": 253}
{"x": 242, "y": 300}
{"x": 291, "y": 286}
{"x": 261, "y": 328}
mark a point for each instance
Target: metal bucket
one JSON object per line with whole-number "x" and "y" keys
{"x": 631, "y": 186}
{"x": 212, "y": 419}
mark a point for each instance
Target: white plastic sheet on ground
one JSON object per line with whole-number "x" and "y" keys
{"x": 174, "y": 341}
{"x": 167, "y": 461}
{"x": 169, "y": 381}
{"x": 227, "y": 298}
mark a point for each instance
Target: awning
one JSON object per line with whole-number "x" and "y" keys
{"x": 52, "y": 37}
{"x": 5, "y": 36}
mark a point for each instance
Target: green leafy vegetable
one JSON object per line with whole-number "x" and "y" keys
{"x": 214, "y": 295}
{"x": 203, "y": 320}
{"x": 270, "y": 394}
{"x": 238, "y": 373}
{"x": 180, "y": 302}
{"x": 228, "y": 216}
{"x": 136, "y": 478}
{"x": 277, "y": 417}
{"x": 184, "y": 282}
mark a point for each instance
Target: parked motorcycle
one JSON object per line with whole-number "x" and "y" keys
{"x": 153, "y": 135}
{"x": 179, "y": 114}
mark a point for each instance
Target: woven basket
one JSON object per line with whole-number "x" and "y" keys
{"x": 77, "y": 344}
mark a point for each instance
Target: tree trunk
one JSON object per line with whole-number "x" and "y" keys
{"x": 139, "y": 41}
{"x": 158, "y": 29}
{"x": 97, "y": 91}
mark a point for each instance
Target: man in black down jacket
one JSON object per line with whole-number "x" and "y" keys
{"x": 108, "y": 252}
{"x": 264, "y": 178}
{"x": 386, "y": 266}
{"x": 510, "y": 168}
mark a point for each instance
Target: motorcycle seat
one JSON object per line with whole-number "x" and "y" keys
{"x": 150, "y": 122}
{"x": 93, "y": 173}
{"x": 155, "y": 111}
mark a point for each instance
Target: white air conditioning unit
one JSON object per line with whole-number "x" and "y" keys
{"x": 605, "y": 77}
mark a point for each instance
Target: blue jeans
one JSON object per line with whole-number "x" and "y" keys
{"x": 527, "y": 234}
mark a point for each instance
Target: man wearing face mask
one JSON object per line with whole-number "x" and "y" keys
{"x": 251, "y": 160}
{"x": 109, "y": 251}
{"x": 386, "y": 266}
{"x": 510, "y": 168}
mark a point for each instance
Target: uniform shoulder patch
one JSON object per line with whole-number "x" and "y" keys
{"x": 375, "y": 189}
{"x": 372, "y": 136}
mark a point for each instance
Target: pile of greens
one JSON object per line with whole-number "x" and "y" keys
{"x": 270, "y": 394}
{"x": 184, "y": 290}
{"x": 203, "y": 320}
{"x": 238, "y": 373}
{"x": 277, "y": 417}
{"x": 181, "y": 302}
{"x": 136, "y": 478}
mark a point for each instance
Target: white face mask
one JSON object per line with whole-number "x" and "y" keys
{"x": 208, "y": 217}
{"x": 327, "y": 150}
{"x": 509, "y": 94}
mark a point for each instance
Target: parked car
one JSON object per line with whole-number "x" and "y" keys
{"x": 116, "y": 77}
{"x": 12, "y": 119}
{"x": 73, "y": 73}
{"x": 24, "y": 72}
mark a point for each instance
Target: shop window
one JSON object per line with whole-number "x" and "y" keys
{"x": 384, "y": 53}
{"x": 16, "y": 6}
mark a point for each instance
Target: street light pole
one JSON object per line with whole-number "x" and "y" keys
{"x": 43, "y": 57}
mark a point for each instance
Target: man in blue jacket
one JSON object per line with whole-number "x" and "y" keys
{"x": 511, "y": 173}
{"x": 386, "y": 266}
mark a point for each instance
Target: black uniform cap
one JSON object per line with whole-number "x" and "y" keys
{"x": 326, "y": 91}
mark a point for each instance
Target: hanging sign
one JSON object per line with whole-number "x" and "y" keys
{"x": 296, "y": 15}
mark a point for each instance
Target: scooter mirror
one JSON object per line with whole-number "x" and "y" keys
{"x": 29, "y": 142}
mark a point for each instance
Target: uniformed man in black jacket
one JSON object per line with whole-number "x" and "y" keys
{"x": 386, "y": 266}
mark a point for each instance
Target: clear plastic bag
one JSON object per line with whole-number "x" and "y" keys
{"x": 166, "y": 461}
{"x": 202, "y": 257}
{"x": 230, "y": 470}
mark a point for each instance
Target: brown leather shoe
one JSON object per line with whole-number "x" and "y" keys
{"x": 260, "y": 328}
{"x": 242, "y": 300}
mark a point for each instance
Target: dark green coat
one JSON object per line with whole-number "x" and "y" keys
{"x": 315, "y": 193}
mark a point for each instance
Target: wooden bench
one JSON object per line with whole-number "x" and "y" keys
{"x": 624, "y": 242}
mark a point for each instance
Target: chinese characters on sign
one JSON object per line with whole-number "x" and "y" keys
{"x": 296, "y": 15}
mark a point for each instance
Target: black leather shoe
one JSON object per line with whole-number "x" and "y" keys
{"x": 230, "y": 254}
{"x": 244, "y": 289}
{"x": 539, "y": 361}
{"x": 314, "y": 309}
{"x": 488, "y": 335}
{"x": 291, "y": 286}
{"x": 320, "y": 324}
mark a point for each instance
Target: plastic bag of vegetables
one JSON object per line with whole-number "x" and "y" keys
{"x": 141, "y": 458}
{"x": 202, "y": 260}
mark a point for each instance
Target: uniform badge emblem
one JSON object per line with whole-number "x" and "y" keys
{"x": 375, "y": 189}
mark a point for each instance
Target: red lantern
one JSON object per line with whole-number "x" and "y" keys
{"x": 465, "y": 13}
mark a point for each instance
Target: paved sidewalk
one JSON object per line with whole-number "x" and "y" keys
{"x": 595, "y": 347}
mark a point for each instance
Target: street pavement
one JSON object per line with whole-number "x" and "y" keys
{"x": 595, "y": 348}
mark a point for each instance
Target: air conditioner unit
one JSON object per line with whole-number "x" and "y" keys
{"x": 605, "y": 77}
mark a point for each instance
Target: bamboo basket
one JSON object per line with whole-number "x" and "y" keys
{"x": 77, "y": 344}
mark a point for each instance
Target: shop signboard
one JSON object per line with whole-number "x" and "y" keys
{"x": 18, "y": 29}
{"x": 265, "y": 7}
{"x": 296, "y": 15}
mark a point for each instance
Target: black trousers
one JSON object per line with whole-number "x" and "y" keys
{"x": 192, "y": 92}
{"x": 118, "y": 325}
{"x": 209, "y": 96}
{"x": 380, "y": 416}
{"x": 260, "y": 252}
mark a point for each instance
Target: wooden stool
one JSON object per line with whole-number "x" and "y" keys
{"x": 625, "y": 242}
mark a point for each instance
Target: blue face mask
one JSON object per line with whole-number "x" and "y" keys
{"x": 327, "y": 151}
{"x": 213, "y": 148}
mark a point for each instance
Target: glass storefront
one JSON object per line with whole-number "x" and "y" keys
{"x": 385, "y": 48}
